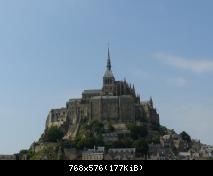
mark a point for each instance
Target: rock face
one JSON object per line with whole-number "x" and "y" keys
{"x": 116, "y": 102}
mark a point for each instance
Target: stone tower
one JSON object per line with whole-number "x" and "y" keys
{"x": 108, "y": 79}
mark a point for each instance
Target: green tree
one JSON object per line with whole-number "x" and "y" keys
{"x": 48, "y": 153}
{"x": 162, "y": 130}
{"x": 22, "y": 153}
{"x": 88, "y": 140}
{"x": 96, "y": 127}
{"x": 122, "y": 143}
{"x": 185, "y": 137}
{"x": 66, "y": 144}
{"x": 141, "y": 146}
{"x": 53, "y": 134}
{"x": 110, "y": 127}
{"x": 155, "y": 139}
{"x": 89, "y": 135}
{"x": 156, "y": 127}
{"x": 137, "y": 132}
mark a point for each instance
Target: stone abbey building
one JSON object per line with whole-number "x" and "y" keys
{"x": 115, "y": 102}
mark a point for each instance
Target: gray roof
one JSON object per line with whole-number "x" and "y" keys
{"x": 92, "y": 91}
{"x": 115, "y": 150}
{"x": 112, "y": 97}
{"x": 94, "y": 150}
{"x": 145, "y": 102}
{"x": 74, "y": 100}
{"x": 126, "y": 96}
{"x": 110, "y": 134}
{"x": 105, "y": 97}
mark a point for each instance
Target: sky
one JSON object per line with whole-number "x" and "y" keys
{"x": 51, "y": 50}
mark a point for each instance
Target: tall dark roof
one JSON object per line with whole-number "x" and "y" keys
{"x": 108, "y": 73}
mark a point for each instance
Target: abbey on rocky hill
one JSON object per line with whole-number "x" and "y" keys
{"x": 116, "y": 102}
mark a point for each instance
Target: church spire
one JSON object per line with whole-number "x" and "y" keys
{"x": 109, "y": 61}
{"x": 108, "y": 72}
{"x": 108, "y": 79}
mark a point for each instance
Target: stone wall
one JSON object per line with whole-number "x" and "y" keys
{"x": 72, "y": 154}
{"x": 7, "y": 157}
{"x": 110, "y": 108}
{"x": 119, "y": 109}
{"x": 127, "y": 108}
{"x": 95, "y": 109}
{"x": 56, "y": 117}
{"x": 113, "y": 108}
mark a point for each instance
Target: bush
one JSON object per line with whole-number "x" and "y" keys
{"x": 90, "y": 135}
{"x": 156, "y": 127}
{"x": 137, "y": 132}
{"x": 185, "y": 137}
{"x": 88, "y": 141}
{"x": 110, "y": 127}
{"x": 48, "y": 153}
{"x": 141, "y": 146}
{"x": 66, "y": 144}
{"x": 122, "y": 143}
{"x": 22, "y": 154}
{"x": 53, "y": 134}
{"x": 155, "y": 139}
{"x": 96, "y": 127}
{"x": 163, "y": 130}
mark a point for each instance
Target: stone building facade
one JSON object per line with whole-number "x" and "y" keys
{"x": 121, "y": 154}
{"x": 94, "y": 154}
{"x": 116, "y": 101}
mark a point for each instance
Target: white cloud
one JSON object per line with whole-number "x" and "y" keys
{"x": 198, "y": 66}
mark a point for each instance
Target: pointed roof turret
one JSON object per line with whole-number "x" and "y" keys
{"x": 133, "y": 90}
{"x": 125, "y": 80}
{"x": 133, "y": 87}
{"x": 150, "y": 101}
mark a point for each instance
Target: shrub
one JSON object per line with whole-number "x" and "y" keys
{"x": 122, "y": 143}
{"x": 137, "y": 131}
{"x": 53, "y": 134}
{"x": 185, "y": 137}
{"x": 96, "y": 127}
{"x": 141, "y": 146}
{"x": 110, "y": 127}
